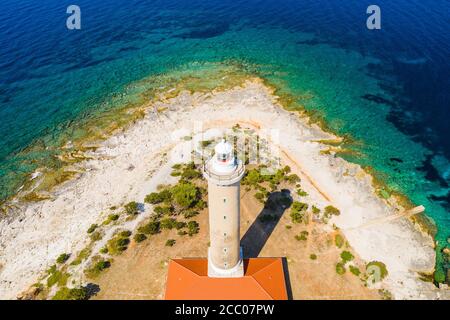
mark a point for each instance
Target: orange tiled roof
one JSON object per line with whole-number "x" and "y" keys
{"x": 263, "y": 280}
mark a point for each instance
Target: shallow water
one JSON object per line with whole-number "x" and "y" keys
{"x": 388, "y": 89}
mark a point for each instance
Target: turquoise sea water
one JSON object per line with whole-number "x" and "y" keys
{"x": 387, "y": 89}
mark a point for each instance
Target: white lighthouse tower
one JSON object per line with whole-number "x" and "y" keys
{"x": 224, "y": 173}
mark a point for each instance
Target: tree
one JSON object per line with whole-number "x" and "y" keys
{"x": 185, "y": 194}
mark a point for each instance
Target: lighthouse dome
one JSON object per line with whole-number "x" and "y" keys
{"x": 223, "y": 147}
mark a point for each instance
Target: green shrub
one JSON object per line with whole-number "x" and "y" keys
{"x": 118, "y": 243}
{"x": 354, "y": 270}
{"x": 190, "y": 213}
{"x": 96, "y": 236}
{"x": 288, "y": 227}
{"x": 164, "y": 196}
{"x": 57, "y": 277}
{"x": 193, "y": 227}
{"x": 200, "y": 205}
{"x": 302, "y": 193}
{"x": 180, "y": 225}
{"x": 139, "y": 237}
{"x": 185, "y": 194}
{"x": 292, "y": 178}
{"x": 170, "y": 243}
{"x": 71, "y": 294}
{"x": 168, "y": 223}
{"x": 287, "y": 169}
{"x": 63, "y": 258}
{"x": 303, "y": 236}
{"x": 92, "y": 228}
{"x": 153, "y": 198}
{"x": 182, "y": 233}
{"x": 153, "y": 227}
{"x": 111, "y": 217}
{"x": 330, "y": 210}
{"x": 253, "y": 177}
{"x": 339, "y": 241}
{"x": 340, "y": 268}
{"x": 346, "y": 256}
{"x": 315, "y": 210}
{"x": 190, "y": 174}
{"x": 260, "y": 196}
{"x": 177, "y": 166}
{"x": 163, "y": 210}
{"x": 298, "y": 211}
{"x": 82, "y": 255}
{"x": 98, "y": 265}
{"x": 313, "y": 256}
{"x": 132, "y": 208}
{"x": 104, "y": 250}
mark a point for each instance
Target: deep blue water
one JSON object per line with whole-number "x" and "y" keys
{"x": 388, "y": 88}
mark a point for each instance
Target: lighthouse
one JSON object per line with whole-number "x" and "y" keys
{"x": 225, "y": 275}
{"x": 224, "y": 173}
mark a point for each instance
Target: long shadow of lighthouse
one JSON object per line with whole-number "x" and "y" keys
{"x": 261, "y": 229}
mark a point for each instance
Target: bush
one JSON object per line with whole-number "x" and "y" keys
{"x": 315, "y": 210}
{"x": 298, "y": 211}
{"x": 63, "y": 258}
{"x": 303, "y": 236}
{"x": 92, "y": 228}
{"x": 185, "y": 194}
{"x": 260, "y": 196}
{"x": 190, "y": 174}
{"x": 340, "y": 268}
{"x": 132, "y": 208}
{"x": 82, "y": 255}
{"x": 168, "y": 223}
{"x": 346, "y": 256}
{"x": 71, "y": 294}
{"x": 200, "y": 205}
{"x": 182, "y": 232}
{"x": 205, "y": 143}
{"x": 111, "y": 217}
{"x": 189, "y": 213}
{"x": 180, "y": 225}
{"x": 99, "y": 264}
{"x": 339, "y": 241}
{"x": 292, "y": 178}
{"x": 170, "y": 243}
{"x": 158, "y": 197}
{"x": 193, "y": 228}
{"x": 139, "y": 237}
{"x": 57, "y": 277}
{"x": 162, "y": 211}
{"x": 104, "y": 250}
{"x": 302, "y": 193}
{"x": 118, "y": 243}
{"x": 252, "y": 178}
{"x": 354, "y": 270}
{"x": 313, "y": 256}
{"x": 96, "y": 236}
{"x": 153, "y": 227}
{"x": 330, "y": 210}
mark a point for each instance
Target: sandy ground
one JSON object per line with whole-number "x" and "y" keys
{"x": 128, "y": 166}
